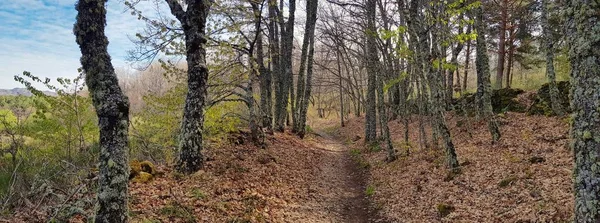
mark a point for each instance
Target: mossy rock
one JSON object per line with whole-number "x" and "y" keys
{"x": 141, "y": 172}
{"x": 503, "y": 100}
{"x": 541, "y": 102}
{"x": 142, "y": 177}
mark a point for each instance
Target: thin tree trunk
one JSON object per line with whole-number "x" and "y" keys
{"x": 304, "y": 96}
{"x": 437, "y": 96}
{"x": 112, "y": 109}
{"x": 549, "y": 48}
{"x": 371, "y": 54}
{"x": 339, "y": 67}
{"x": 483, "y": 77}
{"x": 501, "y": 46}
{"x": 511, "y": 55}
{"x": 265, "y": 81}
{"x": 467, "y": 61}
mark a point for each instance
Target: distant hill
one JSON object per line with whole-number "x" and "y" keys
{"x": 20, "y": 91}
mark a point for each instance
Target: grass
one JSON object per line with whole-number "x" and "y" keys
{"x": 198, "y": 194}
{"x": 177, "y": 211}
{"x": 370, "y": 191}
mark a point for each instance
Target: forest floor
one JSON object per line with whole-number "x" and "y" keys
{"x": 331, "y": 176}
{"x": 292, "y": 180}
{"x": 526, "y": 177}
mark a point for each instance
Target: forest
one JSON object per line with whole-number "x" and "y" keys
{"x": 314, "y": 111}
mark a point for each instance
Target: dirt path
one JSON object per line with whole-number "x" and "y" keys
{"x": 339, "y": 194}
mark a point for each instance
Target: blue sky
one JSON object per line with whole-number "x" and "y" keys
{"x": 36, "y": 36}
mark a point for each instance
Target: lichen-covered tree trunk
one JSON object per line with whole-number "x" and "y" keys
{"x": 467, "y": 61}
{"x": 371, "y": 54}
{"x": 304, "y": 95}
{"x": 275, "y": 64}
{"x": 284, "y": 81}
{"x": 484, "y": 100}
{"x": 302, "y": 83}
{"x": 193, "y": 22}
{"x": 383, "y": 120}
{"x": 437, "y": 94}
{"x": 548, "y": 41}
{"x": 584, "y": 42}
{"x": 112, "y": 108}
{"x": 264, "y": 76}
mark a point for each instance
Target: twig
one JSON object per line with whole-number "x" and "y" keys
{"x": 62, "y": 206}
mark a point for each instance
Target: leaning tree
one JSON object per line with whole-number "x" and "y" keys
{"x": 112, "y": 108}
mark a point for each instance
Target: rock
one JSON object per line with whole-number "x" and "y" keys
{"x": 541, "y": 100}
{"x": 503, "y": 100}
{"x": 141, "y": 172}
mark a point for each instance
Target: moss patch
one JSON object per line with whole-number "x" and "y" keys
{"x": 444, "y": 209}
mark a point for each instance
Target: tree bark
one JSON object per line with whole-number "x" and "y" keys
{"x": 285, "y": 80}
{"x": 548, "y": 41}
{"x": 371, "y": 54}
{"x": 437, "y": 95}
{"x": 467, "y": 61}
{"x": 305, "y": 86}
{"x": 583, "y": 40}
{"x": 112, "y": 109}
{"x": 193, "y": 22}
{"x": 501, "y": 45}
{"x": 275, "y": 62}
{"x": 483, "y": 77}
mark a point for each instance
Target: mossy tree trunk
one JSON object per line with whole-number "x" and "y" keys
{"x": 305, "y": 85}
{"x": 193, "y": 22}
{"x": 371, "y": 54}
{"x": 437, "y": 92}
{"x": 285, "y": 77}
{"x": 274, "y": 63}
{"x": 584, "y": 42}
{"x": 484, "y": 101}
{"x": 548, "y": 41}
{"x": 112, "y": 108}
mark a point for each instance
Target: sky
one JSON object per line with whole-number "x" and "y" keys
{"x": 37, "y": 36}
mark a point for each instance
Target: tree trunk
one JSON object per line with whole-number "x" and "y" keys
{"x": 304, "y": 95}
{"x": 193, "y": 22}
{"x": 112, "y": 109}
{"x": 583, "y": 40}
{"x": 548, "y": 40}
{"x": 437, "y": 97}
{"x": 467, "y": 61}
{"x": 501, "y": 46}
{"x": 339, "y": 67}
{"x": 371, "y": 54}
{"x": 265, "y": 83}
{"x": 285, "y": 80}
{"x": 483, "y": 77}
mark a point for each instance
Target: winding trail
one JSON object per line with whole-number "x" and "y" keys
{"x": 340, "y": 188}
